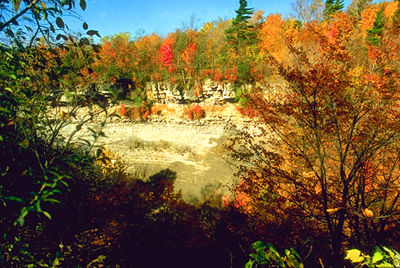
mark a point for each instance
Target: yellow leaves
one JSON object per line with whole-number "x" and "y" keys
{"x": 368, "y": 213}
{"x": 332, "y": 210}
{"x": 354, "y": 255}
{"x": 24, "y": 144}
{"x": 63, "y": 115}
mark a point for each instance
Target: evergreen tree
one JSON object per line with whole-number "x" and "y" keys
{"x": 375, "y": 34}
{"x": 241, "y": 31}
{"x": 332, "y": 6}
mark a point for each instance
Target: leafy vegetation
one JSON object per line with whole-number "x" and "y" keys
{"x": 382, "y": 257}
{"x": 318, "y": 172}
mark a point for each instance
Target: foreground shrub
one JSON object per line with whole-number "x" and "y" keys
{"x": 267, "y": 256}
{"x": 381, "y": 257}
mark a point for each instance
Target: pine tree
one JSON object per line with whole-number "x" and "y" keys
{"x": 375, "y": 34}
{"x": 240, "y": 31}
{"x": 332, "y": 6}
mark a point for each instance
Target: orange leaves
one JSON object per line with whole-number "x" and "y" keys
{"x": 189, "y": 53}
{"x": 271, "y": 35}
{"x": 117, "y": 57}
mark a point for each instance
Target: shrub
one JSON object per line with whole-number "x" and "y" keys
{"x": 195, "y": 112}
{"x": 268, "y": 256}
{"x": 382, "y": 257}
{"x": 136, "y": 112}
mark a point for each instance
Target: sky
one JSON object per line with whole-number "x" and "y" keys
{"x": 140, "y": 17}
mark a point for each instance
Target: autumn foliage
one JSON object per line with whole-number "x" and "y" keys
{"x": 325, "y": 153}
{"x": 322, "y": 163}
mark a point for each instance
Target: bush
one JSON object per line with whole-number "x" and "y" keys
{"x": 194, "y": 112}
{"x": 382, "y": 257}
{"x": 268, "y": 256}
{"x": 136, "y": 112}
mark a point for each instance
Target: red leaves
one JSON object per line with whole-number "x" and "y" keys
{"x": 195, "y": 112}
{"x": 167, "y": 55}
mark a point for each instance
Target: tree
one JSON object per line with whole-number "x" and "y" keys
{"x": 118, "y": 63}
{"x": 242, "y": 44}
{"x": 240, "y": 31}
{"x": 356, "y": 8}
{"x": 332, "y": 6}
{"x": 33, "y": 65}
{"x": 308, "y": 10}
{"x": 376, "y": 33}
{"x": 25, "y": 21}
{"x": 325, "y": 149}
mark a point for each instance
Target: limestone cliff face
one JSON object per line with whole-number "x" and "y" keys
{"x": 210, "y": 92}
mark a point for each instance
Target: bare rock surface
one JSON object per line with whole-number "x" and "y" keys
{"x": 192, "y": 149}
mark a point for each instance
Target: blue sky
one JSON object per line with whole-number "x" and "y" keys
{"x": 161, "y": 16}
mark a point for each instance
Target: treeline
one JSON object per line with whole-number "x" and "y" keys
{"x": 235, "y": 51}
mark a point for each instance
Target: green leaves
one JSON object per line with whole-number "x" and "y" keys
{"x": 377, "y": 257}
{"x": 382, "y": 257}
{"x": 375, "y": 34}
{"x": 272, "y": 257}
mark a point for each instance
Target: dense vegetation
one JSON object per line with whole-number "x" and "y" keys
{"x": 320, "y": 173}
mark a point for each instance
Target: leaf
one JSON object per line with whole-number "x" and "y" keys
{"x": 60, "y": 22}
{"x": 53, "y": 201}
{"x": 46, "y": 214}
{"x": 85, "y": 26}
{"x": 377, "y": 257}
{"x": 38, "y": 208}
{"x": 249, "y": 264}
{"x": 354, "y": 255}
{"x": 16, "y": 199}
{"x": 259, "y": 245}
{"x": 82, "y": 3}
{"x": 273, "y": 250}
{"x": 24, "y": 212}
{"x": 9, "y": 33}
{"x": 93, "y": 32}
{"x": 43, "y": 4}
{"x": 391, "y": 253}
{"x": 332, "y": 210}
{"x": 385, "y": 265}
{"x": 16, "y": 4}
{"x": 368, "y": 213}
{"x": 24, "y": 144}
{"x": 295, "y": 253}
{"x": 84, "y": 41}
